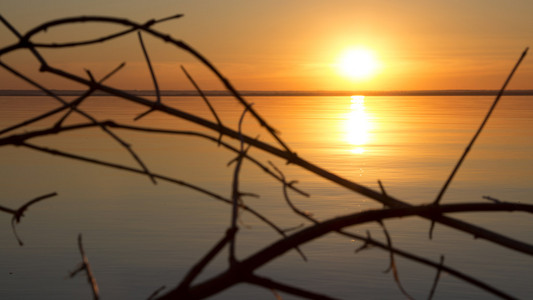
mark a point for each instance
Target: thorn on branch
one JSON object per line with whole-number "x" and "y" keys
{"x": 91, "y": 77}
{"x": 382, "y": 188}
{"x": 113, "y": 72}
{"x": 366, "y": 245}
{"x": 495, "y": 200}
{"x": 249, "y": 195}
{"x": 291, "y": 157}
{"x": 143, "y": 114}
{"x": 294, "y": 228}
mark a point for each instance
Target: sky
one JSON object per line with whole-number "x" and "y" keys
{"x": 288, "y": 45}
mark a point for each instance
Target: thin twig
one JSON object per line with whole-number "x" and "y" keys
{"x": 180, "y": 44}
{"x": 19, "y": 213}
{"x": 73, "y": 106}
{"x": 213, "y": 111}
{"x": 478, "y": 132}
{"x": 433, "y": 215}
{"x": 437, "y": 277}
{"x": 236, "y": 195}
{"x": 200, "y": 265}
{"x": 85, "y": 266}
{"x": 392, "y": 265}
{"x": 90, "y": 41}
{"x": 152, "y": 74}
{"x": 461, "y": 159}
{"x": 158, "y": 176}
{"x": 276, "y": 249}
{"x": 387, "y": 200}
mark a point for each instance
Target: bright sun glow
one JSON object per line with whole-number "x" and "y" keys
{"x": 358, "y": 63}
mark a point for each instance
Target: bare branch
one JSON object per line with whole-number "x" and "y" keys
{"x": 236, "y": 195}
{"x": 240, "y": 271}
{"x": 205, "y": 100}
{"x": 461, "y": 159}
{"x": 437, "y": 277}
{"x": 19, "y": 213}
{"x": 265, "y": 255}
{"x": 392, "y": 265}
{"x": 152, "y": 74}
{"x": 85, "y": 266}
{"x": 197, "y": 269}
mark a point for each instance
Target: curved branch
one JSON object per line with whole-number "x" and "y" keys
{"x": 19, "y": 213}
{"x": 267, "y": 254}
{"x": 24, "y": 43}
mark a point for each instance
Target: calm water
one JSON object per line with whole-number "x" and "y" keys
{"x": 140, "y": 236}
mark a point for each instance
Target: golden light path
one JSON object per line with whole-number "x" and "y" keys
{"x": 358, "y": 125}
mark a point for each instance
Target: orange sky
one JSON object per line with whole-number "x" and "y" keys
{"x": 293, "y": 45}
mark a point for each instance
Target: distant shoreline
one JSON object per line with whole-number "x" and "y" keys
{"x": 281, "y": 93}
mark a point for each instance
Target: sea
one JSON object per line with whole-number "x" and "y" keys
{"x": 139, "y": 236}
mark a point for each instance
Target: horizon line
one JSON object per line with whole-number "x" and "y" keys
{"x": 446, "y": 92}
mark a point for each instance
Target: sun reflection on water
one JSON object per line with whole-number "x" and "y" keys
{"x": 357, "y": 125}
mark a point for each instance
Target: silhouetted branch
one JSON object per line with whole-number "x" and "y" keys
{"x": 238, "y": 271}
{"x": 8, "y": 210}
{"x": 392, "y": 265}
{"x": 86, "y": 267}
{"x": 437, "y": 277}
{"x": 152, "y": 73}
{"x": 86, "y": 42}
{"x": 180, "y": 44}
{"x": 19, "y": 213}
{"x": 369, "y": 242}
{"x": 489, "y": 113}
{"x": 461, "y": 159}
{"x": 197, "y": 269}
{"x": 265, "y": 255}
{"x": 235, "y": 193}
{"x": 385, "y": 199}
{"x": 73, "y": 106}
{"x": 205, "y": 99}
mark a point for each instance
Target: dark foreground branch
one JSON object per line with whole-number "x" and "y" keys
{"x": 240, "y": 271}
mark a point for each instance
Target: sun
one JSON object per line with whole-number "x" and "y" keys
{"x": 358, "y": 63}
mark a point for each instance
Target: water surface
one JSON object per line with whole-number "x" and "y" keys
{"x": 140, "y": 236}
